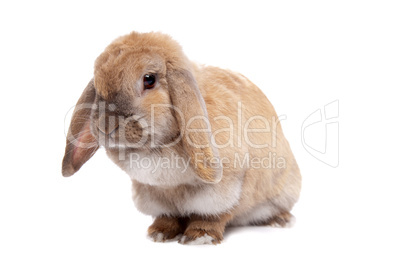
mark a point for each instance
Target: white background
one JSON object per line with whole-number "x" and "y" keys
{"x": 302, "y": 54}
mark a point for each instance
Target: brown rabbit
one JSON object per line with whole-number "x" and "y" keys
{"x": 203, "y": 146}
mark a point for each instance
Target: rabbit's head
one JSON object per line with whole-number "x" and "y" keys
{"x": 143, "y": 97}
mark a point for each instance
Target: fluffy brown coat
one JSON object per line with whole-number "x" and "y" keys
{"x": 227, "y": 180}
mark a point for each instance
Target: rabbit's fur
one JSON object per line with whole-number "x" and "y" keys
{"x": 237, "y": 169}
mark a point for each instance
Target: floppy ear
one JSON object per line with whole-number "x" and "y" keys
{"x": 81, "y": 144}
{"x": 195, "y": 128}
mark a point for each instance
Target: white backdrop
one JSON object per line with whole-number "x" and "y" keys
{"x": 303, "y": 54}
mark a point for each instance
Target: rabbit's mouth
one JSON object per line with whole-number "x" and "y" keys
{"x": 131, "y": 132}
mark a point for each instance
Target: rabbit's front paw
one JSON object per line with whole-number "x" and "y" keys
{"x": 165, "y": 229}
{"x": 200, "y": 237}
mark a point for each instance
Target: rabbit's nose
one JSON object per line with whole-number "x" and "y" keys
{"x": 107, "y": 124}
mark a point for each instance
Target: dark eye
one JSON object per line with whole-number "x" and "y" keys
{"x": 149, "y": 81}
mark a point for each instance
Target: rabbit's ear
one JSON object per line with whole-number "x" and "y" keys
{"x": 195, "y": 128}
{"x": 81, "y": 144}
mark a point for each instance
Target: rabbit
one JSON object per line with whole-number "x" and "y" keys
{"x": 203, "y": 146}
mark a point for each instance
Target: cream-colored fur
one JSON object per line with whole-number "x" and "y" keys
{"x": 256, "y": 176}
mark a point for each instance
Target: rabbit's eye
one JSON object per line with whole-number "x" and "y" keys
{"x": 149, "y": 81}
